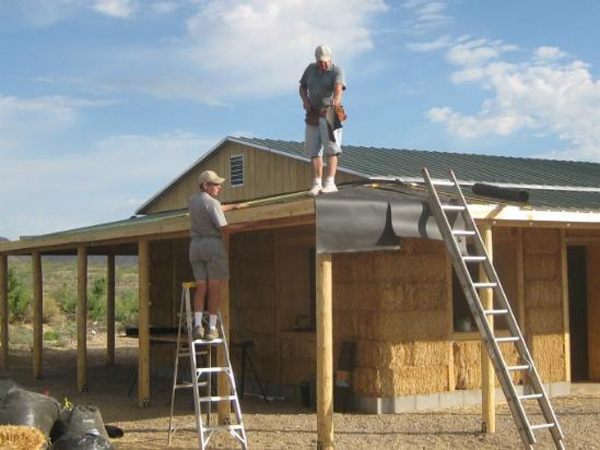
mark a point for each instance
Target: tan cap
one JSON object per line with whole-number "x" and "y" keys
{"x": 208, "y": 176}
{"x": 323, "y": 53}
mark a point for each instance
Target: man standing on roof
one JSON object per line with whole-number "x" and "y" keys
{"x": 207, "y": 252}
{"x": 321, "y": 89}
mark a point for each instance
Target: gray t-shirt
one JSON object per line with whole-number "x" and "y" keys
{"x": 320, "y": 83}
{"x": 206, "y": 216}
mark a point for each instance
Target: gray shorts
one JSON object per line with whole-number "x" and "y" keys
{"x": 208, "y": 259}
{"x": 317, "y": 143}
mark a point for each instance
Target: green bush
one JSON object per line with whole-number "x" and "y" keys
{"x": 19, "y": 299}
{"x": 97, "y": 300}
{"x": 66, "y": 298}
{"x": 51, "y": 336}
{"x": 127, "y": 308}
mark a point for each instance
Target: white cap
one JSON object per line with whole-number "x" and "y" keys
{"x": 323, "y": 53}
{"x": 208, "y": 176}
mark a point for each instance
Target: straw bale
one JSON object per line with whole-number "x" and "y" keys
{"x": 389, "y": 266}
{"x": 373, "y": 354}
{"x": 504, "y": 232}
{"x": 511, "y": 358}
{"x": 548, "y": 352}
{"x": 541, "y": 240}
{"x": 420, "y": 354}
{"x": 467, "y": 365}
{"x": 297, "y": 372}
{"x": 264, "y": 347}
{"x": 373, "y": 382}
{"x": 420, "y": 246}
{"x": 540, "y": 294}
{"x": 341, "y": 268}
{"x": 545, "y": 320}
{"x": 363, "y": 297}
{"x": 18, "y": 437}
{"x": 419, "y": 380}
{"x": 542, "y": 267}
{"x": 298, "y": 349}
{"x": 425, "y": 268}
{"x": 396, "y": 327}
{"x": 363, "y": 267}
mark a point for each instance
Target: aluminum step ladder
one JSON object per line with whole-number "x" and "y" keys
{"x": 201, "y": 372}
{"x": 460, "y": 261}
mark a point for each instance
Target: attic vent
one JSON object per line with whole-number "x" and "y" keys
{"x": 236, "y": 170}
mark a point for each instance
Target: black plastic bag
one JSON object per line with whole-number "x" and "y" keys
{"x": 21, "y": 407}
{"x": 80, "y": 428}
{"x": 6, "y": 385}
{"x": 70, "y": 441}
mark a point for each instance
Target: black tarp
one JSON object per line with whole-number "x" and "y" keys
{"x": 367, "y": 219}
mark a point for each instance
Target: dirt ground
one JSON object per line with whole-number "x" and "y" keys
{"x": 281, "y": 424}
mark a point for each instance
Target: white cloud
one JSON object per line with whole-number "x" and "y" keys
{"x": 439, "y": 43}
{"x": 116, "y": 8}
{"x": 541, "y": 95}
{"x": 428, "y": 15}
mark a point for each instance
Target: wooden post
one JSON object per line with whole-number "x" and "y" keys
{"x": 488, "y": 393}
{"x": 4, "y": 311}
{"x": 224, "y": 408}
{"x": 110, "y": 310}
{"x": 324, "y": 353}
{"x": 82, "y": 318}
{"x": 144, "y": 326}
{"x": 564, "y": 272}
{"x": 38, "y": 313}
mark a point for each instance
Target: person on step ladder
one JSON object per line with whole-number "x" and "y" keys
{"x": 207, "y": 252}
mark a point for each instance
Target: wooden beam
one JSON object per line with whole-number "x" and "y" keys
{"x": 223, "y": 384}
{"x": 144, "y": 325}
{"x": 450, "y": 320}
{"x": 82, "y": 318}
{"x": 324, "y": 352}
{"x": 4, "y": 311}
{"x": 110, "y": 310}
{"x": 488, "y": 392}
{"x": 564, "y": 272}
{"x": 521, "y": 281}
{"x": 38, "y": 312}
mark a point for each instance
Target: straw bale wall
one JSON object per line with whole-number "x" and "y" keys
{"x": 544, "y": 322}
{"x": 394, "y": 306}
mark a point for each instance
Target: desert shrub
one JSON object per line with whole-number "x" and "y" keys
{"x": 52, "y": 312}
{"x": 97, "y": 300}
{"x": 66, "y": 297}
{"x": 19, "y": 299}
{"x": 127, "y": 308}
{"x": 51, "y": 336}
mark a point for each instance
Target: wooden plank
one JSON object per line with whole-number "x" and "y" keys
{"x": 38, "y": 312}
{"x": 224, "y": 408}
{"x": 110, "y": 310}
{"x": 450, "y": 321}
{"x": 324, "y": 352}
{"x": 4, "y": 311}
{"x": 82, "y": 318}
{"x": 488, "y": 391}
{"x": 521, "y": 281}
{"x": 593, "y": 290}
{"x": 564, "y": 275}
{"x": 144, "y": 325}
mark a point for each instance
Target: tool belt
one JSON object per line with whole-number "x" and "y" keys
{"x": 312, "y": 117}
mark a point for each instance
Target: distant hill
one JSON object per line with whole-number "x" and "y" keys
{"x": 3, "y": 239}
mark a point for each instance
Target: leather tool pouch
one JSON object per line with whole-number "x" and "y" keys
{"x": 340, "y": 113}
{"x": 312, "y": 117}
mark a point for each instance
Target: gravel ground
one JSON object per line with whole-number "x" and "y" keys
{"x": 281, "y": 424}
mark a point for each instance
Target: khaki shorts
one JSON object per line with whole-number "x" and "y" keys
{"x": 208, "y": 259}
{"x": 317, "y": 143}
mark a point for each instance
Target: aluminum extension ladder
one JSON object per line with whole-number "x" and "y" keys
{"x": 201, "y": 376}
{"x": 470, "y": 287}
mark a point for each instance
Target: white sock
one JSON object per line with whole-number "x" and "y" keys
{"x": 198, "y": 319}
{"x": 329, "y": 181}
{"x": 317, "y": 182}
{"x": 212, "y": 321}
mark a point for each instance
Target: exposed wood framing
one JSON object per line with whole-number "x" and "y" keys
{"x": 224, "y": 408}
{"x": 144, "y": 325}
{"x": 82, "y": 318}
{"x": 38, "y": 312}
{"x": 565, "y": 302}
{"x": 324, "y": 352}
{"x": 488, "y": 394}
{"x": 521, "y": 280}
{"x": 450, "y": 322}
{"x": 508, "y": 215}
{"x": 4, "y": 311}
{"x": 110, "y": 310}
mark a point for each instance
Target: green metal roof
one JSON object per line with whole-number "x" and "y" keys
{"x": 550, "y": 183}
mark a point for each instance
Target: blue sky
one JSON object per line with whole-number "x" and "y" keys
{"x": 103, "y": 102}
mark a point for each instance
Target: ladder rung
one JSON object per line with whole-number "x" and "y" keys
{"x": 473, "y": 258}
{"x": 209, "y": 342}
{"x": 190, "y": 385}
{"x": 217, "y": 398}
{"x": 212, "y": 369}
{"x": 530, "y": 396}
{"x": 495, "y": 312}
{"x": 508, "y": 339}
{"x": 463, "y": 233}
{"x": 442, "y": 183}
{"x": 542, "y": 426}
{"x": 484, "y": 285}
{"x": 513, "y": 368}
{"x": 453, "y": 208}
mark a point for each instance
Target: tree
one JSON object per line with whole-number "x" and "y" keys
{"x": 18, "y": 298}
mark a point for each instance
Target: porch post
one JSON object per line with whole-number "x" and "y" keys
{"x": 324, "y": 352}
{"x": 110, "y": 310}
{"x": 224, "y": 408}
{"x": 488, "y": 392}
{"x": 82, "y": 318}
{"x": 38, "y": 312}
{"x": 4, "y": 311}
{"x": 144, "y": 325}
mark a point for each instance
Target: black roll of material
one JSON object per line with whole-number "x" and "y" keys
{"x": 488, "y": 190}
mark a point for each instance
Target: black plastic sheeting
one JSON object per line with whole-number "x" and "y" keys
{"x": 21, "y": 407}
{"x": 501, "y": 193}
{"x": 81, "y": 428}
{"x": 367, "y": 219}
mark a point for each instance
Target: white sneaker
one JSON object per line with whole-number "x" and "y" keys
{"x": 315, "y": 190}
{"x": 328, "y": 188}
{"x": 211, "y": 334}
